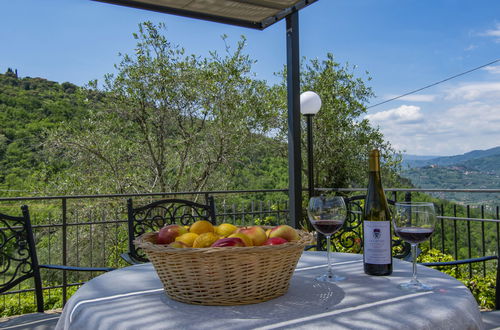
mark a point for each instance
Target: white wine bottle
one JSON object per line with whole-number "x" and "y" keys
{"x": 377, "y": 242}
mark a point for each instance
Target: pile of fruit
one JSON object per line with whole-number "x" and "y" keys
{"x": 203, "y": 234}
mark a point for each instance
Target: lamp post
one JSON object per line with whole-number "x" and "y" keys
{"x": 310, "y": 103}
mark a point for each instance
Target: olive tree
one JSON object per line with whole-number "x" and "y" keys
{"x": 166, "y": 121}
{"x": 342, "y": 138}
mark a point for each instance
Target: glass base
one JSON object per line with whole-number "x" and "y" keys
{"x": 329, "y": 278}
{"x": 415, "y": 286}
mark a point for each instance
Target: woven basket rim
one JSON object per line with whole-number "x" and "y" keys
{"x": 144, "y": 243}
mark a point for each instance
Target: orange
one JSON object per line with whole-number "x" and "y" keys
{"x": 205, "y": 240}
{"x": 201, "y": 227}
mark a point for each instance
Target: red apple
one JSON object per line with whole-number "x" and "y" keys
{"x": 275, "y": 241}
{"x": 230, "y": 241}
{"x": 286, "y": 232}
{"x": 256, "y": 234}
{"x": 168, "y": 234}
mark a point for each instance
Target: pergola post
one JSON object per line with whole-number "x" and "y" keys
{"x": 294, "y": 153}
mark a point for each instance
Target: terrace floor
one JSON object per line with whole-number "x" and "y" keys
{"x": 34, "y": 321}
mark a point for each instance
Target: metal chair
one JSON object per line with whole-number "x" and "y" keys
{"x": 18, "y": 257}
{"x": 153, "y": 216}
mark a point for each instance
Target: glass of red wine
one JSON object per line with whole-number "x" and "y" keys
{"x": 414, "y": 223}
{"x": 327, "y": 215}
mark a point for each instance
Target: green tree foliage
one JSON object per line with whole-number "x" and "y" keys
{"x": 28, "y": 108}
{"x": 167, "y": 121}
{"x": 342, "y": 138}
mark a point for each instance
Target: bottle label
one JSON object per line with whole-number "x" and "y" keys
{"x": 377, "y": 242}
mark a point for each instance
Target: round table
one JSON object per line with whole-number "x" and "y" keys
{"x": 133, "y": 298}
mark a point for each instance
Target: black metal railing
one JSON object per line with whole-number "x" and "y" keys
{"x": 91, "y": 230}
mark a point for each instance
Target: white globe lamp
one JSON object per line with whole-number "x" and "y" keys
{"x": 310, "y": 103}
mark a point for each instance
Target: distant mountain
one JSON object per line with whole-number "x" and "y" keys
{"x": 416, "y": 160}
{"x": 489, "y": 164}
{"x": 476, "y": 169}
{"x": 421, "y": 161}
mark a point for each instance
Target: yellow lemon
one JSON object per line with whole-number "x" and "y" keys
{"x": 205, "y": 240}
{"x": 187, "y": 238}
{"x": 247, "y": 240}
{"x": 268, "y": 232}
{"x": 225, "y": 229}
{"x": 201, "y": 227}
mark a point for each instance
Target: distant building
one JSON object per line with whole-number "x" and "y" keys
{"x": 11, "y": 73}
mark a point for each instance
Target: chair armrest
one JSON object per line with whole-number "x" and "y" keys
{"x": 128, "y": 258}
{"x": 79, "y": 269}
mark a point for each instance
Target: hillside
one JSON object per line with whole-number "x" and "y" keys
{"x": 28, "y": 107}
{"x": 421, "y": 161}
{"x": 478, "y": 169}
{"x": 416, "y": 160}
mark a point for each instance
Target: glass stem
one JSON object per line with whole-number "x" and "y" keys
{"x": 414, "y": 257}
{"x": 329, "y": 271}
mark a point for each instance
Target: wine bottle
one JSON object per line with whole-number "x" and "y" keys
{"x": 377, "y": 242}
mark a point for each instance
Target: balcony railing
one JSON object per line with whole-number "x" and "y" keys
{"x": 91, "y": 230}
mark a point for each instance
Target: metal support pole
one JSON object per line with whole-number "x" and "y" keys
{"x": 64, "y": 249}
{"x": 310, "y": 155}
{"x": 294, "y": 154}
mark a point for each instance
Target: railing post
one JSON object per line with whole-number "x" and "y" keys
{"x": 497, "y": 298}
{"x": 408, "y": 196}
{"x": 469, "y": 241}
{"x": 64, "y": 248}
{"x": 442, "y": 229}
{"x": 483, "y": 239}
{"x": 455, "y": 232}
{"x": 498, "y": 232}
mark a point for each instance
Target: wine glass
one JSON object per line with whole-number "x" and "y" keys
{"x": 414, "y": 223}
{"x": 327, "y": 215}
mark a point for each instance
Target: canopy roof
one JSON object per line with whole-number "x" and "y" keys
{"x": 257, "y": 14}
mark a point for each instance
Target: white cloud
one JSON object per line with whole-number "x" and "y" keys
{"x": 475, "y": 91}
{"x": 493, "y": 33}
{"x": 405, "y": 114}
{"x": 495, "y": 69}
{"x": 449, "y": 131}
{"x": 470, "y": 47}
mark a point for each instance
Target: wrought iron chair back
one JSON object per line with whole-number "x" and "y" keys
{"x": 18, "y": 257}
{"x": 153, "y": 216}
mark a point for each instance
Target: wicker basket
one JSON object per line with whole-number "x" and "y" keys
{"x": 224, "y": 276}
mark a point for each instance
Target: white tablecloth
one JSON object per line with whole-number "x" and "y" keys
{"x": 133, "y": 298}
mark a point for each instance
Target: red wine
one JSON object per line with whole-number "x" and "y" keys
{"x": 377, "y": 242}
{"x": 414, "y": 235}
{"x": 327, "y": 227}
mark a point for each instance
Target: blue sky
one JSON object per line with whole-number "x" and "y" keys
{"x": 404, "y": 45}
